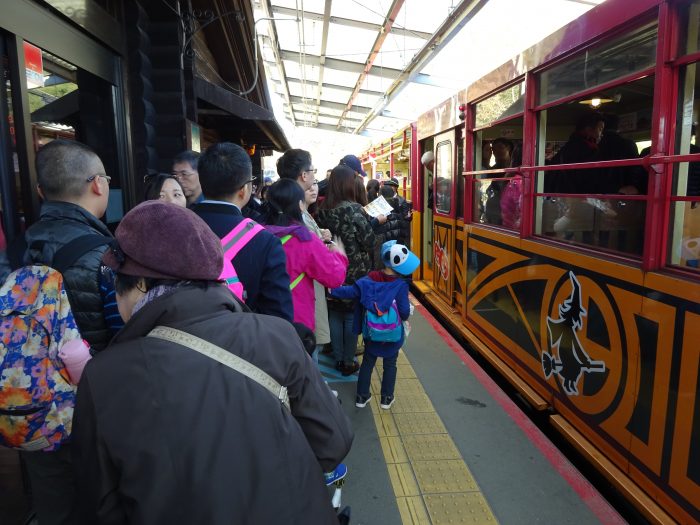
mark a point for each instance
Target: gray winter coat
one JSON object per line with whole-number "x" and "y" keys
{"x": 165, "y": 435}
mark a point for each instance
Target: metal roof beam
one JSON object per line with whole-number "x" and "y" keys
{"x": 328, "y": 104}
{"x": 325, "y": 127}
{"x": 292, "y": 80}
{"x": 324, "y": 45}
{"x": 378, "y": 43}
{"x": 459, "y": 17}
{"x": 267, "y": 9}
{"x": 351, "y": 23}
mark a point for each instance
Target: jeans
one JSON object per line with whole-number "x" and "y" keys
{"x": 388, "y": 378}
{"x": 53, "y": 485}
{"x": 343, "y": 340}
{"x": 317, "y": 351}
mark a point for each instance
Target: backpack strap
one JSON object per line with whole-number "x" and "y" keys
{"x": 224, "y": 357}
{"x": 301, "y": 276}
{"x": 75, "y": 249}
{"x": 237, "y": 238}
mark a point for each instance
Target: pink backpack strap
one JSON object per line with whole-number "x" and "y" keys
{"x": 237, "y": 238}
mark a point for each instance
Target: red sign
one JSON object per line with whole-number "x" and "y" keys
{"x": 34, "y": 66}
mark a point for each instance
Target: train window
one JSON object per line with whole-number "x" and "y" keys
{"x": 615, "y": 124}
{"x": 497, "y": 148}
{"x": 684, "y": 238}
{"x": 504, "y": 104}
{"x": 690, "y": 36}
{"x": 610, "y": 224}
{"x": 623, "y": 56}
{"x": 443, "y": 177}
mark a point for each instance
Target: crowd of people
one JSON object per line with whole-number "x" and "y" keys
{"x": 171, "y": 330}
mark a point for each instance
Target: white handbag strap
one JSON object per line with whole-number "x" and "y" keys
{"x": 224, "y": 357}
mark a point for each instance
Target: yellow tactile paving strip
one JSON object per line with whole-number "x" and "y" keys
{"x": 431, "y": 481}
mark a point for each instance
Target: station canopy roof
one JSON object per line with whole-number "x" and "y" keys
{"x": 371, "y": 67}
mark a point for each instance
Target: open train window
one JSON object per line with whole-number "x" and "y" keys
{"x": 443, "y": 177}
{"x": 594, "y": 204}
{"x": 498, "y": 139}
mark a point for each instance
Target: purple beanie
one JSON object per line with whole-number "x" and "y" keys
{"x": 165, "y": 241}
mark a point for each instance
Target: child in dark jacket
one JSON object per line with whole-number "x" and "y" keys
{"x": 377, "y": 292}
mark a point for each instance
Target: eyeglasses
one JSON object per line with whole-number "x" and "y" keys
{"x": 93, "y": 177}
{"x": 312, "y": 170}
{"x": 250, "y": 181}
{"x": 183, "y": 174}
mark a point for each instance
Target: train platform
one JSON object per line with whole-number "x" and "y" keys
{"x": 452, "y": 449}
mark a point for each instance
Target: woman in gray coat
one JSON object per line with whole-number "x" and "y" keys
{"x": 164, "y": 434}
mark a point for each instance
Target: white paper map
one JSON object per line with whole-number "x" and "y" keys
{"x": 378, "y": 206}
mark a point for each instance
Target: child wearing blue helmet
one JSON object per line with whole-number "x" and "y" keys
{"x": 382, "y": 307}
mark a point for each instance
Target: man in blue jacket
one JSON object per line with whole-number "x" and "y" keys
{"x": 226, "y": 176}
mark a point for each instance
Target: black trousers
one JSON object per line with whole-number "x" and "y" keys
{"x": 52, "y": 480}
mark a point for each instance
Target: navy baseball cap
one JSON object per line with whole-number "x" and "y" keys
{"x": 352, "y": 162}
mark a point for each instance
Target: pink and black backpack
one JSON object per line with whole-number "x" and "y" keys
{"x": 233, "y": 243}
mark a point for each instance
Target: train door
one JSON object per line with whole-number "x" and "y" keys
{"x": 444, "y": 207}
{"x": 427, "y": 217}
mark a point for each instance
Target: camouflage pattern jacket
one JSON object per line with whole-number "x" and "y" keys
{"x": 349, "y": 222}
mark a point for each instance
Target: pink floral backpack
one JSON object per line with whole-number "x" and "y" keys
{"x": 36, "y": 395}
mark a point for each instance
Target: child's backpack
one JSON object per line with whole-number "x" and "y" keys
{"x": 233, "y": 243}
{"x": 382, "y": 327}
{"x": 36, "y": 395}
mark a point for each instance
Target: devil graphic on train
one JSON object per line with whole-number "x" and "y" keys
{"x": 568, "y": 359}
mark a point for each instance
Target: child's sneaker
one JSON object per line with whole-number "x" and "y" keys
{"x": 361, "y": 401}
{"x": 339, "y": 473}
{"x": 386, "y": 402}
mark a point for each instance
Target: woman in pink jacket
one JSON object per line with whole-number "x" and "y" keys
{"x": 308, "y": 258}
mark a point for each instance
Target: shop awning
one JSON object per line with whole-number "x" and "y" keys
{"x": 226, "y": 107}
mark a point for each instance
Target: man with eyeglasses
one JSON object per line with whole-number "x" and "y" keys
{"x": 226, "y": 175}
{"x": 75, "y": 189}
{"x": 185, "y": 171}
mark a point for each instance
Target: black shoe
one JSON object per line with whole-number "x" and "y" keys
{"x": 361, "y": 401}
{"x": 348, "y": 370}
{"x": 339, "y": 365}
{"x": 386, "y": 402}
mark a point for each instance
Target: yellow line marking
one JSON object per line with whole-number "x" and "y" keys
{"x": 431, "y": 481}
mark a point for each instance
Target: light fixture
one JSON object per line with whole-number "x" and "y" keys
{"x": 595, "y": 102}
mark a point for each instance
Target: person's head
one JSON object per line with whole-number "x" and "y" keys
{"x": 398, "y": 258}
{"x": 387, "y": 191}
{"x": 341, "y": 187}
{"x": 393, "y": 184}
{"x": 165, "y": 187}
{"x": 311, "y": 195}
{"x": 428, "y": 160}
{"x": 185, "y": 170}
{"x": 296, "y": 164}
{"x": 69, "y": 171}
{"x": 372, "y": 189}
{"x": 360, "y": 191}
{"x": 612, "y": 122}
{"x": 591, "y": 125}
{"x": 502, "y": 151}
{"x": 286, "y": 199}
{"x": 145, "y": 234}
{"x": 226, "y": 173}
{"x": 323, "y": 185}
{"x": 352, "y": 162}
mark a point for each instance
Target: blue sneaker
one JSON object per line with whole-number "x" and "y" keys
{"x": 339, "y": 473}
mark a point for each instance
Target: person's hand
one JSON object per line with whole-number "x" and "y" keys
{"x": 381, "y": 219}
{"x": 326, "y": 235}
{"x": 337, "y": 246}
{"x": 628, "y": 190}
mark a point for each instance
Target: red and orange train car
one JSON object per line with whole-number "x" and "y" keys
{"x": 572, "y": 261}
